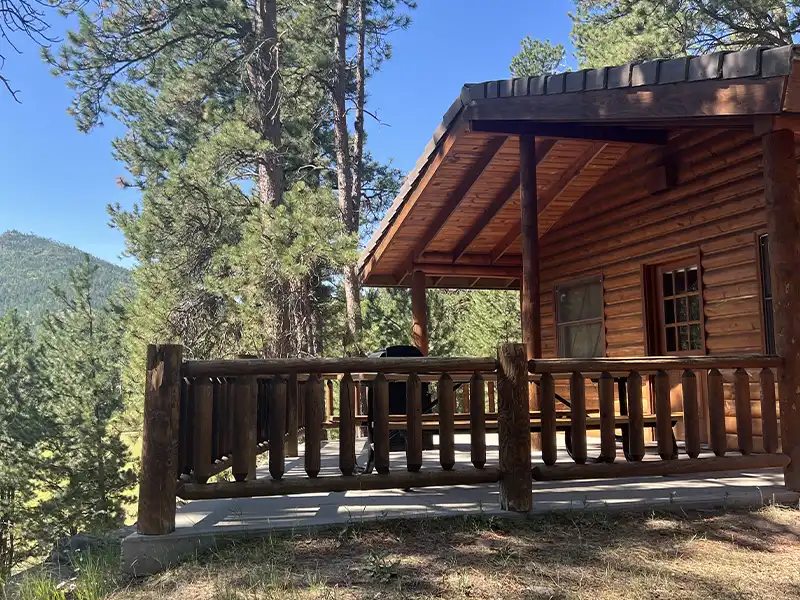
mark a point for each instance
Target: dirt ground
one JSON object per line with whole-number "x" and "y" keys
{"x": 581, "y": 555}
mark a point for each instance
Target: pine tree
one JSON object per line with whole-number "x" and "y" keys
{"x": 25, "y": 430}
{"x": 82, "y": 360}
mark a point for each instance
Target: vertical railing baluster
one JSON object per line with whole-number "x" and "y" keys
{"x": 244, "y": 427}
{"x": 744, "y": 415}
{"x": 467, "y": 400}
{"x": 635, "y": 417}
{"x": 447, "y": 407}
{"x": 477, "y": 421}
{"x": 716, "y": 412}
{"x": 413, "y": 423}
{"x": 608, "y": 442}
{"x": 380, "y": 411}
{"x": 216, "y": 390}
{"x": 277, "y": 427}
{"x": 328, "y": 400}
{"x": 577, "y": 399}
{"x": 347, "y": 427}
{"x": 769, "y": 417}
{"x": 314, "y": 400}
{"x": 548, "y": 414}
{"x": 691, "y": 416}
{"x": 184, "y": 431}
{"x": 292, "y": 406}
{"x": 492, "y": 404}
{"x": 203, "y": 402}
{"x": 663, "y": 416}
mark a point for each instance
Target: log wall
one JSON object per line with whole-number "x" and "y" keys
{"x": 714, "y": 209}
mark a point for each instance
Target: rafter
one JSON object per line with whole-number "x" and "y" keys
{"x": 553, "y": 191}
{"x": 502, "y": 198}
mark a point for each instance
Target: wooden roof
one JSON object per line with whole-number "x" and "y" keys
{"x": 457, "y": 216}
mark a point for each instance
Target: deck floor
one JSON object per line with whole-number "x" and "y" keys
{"x": 200, "y": 523}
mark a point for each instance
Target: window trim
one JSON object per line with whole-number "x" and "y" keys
{"x": 761, "y": 298}
{"x": 596, "y": 277}
{"x": 693, "y": 259}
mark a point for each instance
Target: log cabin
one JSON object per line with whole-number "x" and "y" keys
{"x": 642, "y": 210}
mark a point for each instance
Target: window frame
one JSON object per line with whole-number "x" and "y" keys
{"x": 592, "y": 278}
{"x": 762, "y": 299}
{"x": 692, "y": 260}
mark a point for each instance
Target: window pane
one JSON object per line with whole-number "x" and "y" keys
{"x": 669, "y": 311}
{"x": 691, "y": 279}
{"x": 695, "y": 341}
{"x": 694, "y": 307}
{"x": 680, "y": 304}
{"x": 668, "y": 291}
{"x": 683, "y": 337}
{"x": 580, "y": 301}
{"x": 580, "y": 341}
{"x": 672, "y": 344}
{"x": 680, "y": 281}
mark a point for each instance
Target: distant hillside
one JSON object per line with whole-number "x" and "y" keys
{"x": 30, "y": 265}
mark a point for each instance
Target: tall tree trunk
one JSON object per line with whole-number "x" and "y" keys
{"x": 349, "y": 195}
{"x": 263, "y": 72}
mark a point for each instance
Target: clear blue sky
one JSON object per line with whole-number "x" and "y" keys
{"x": 56, "y": 182}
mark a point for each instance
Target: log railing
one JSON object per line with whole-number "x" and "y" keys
{"x": 204, "y": 417}
{"x": 630, "y": 374}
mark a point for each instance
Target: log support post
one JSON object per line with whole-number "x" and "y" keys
{"x": 530, "y": 296}
{"x": 513, "y": 419}
{"x": 783, "y": 225}
{"x": 160, "y": 440}
{"x": 419, "y": 312}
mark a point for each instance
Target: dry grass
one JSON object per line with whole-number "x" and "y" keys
{"x": 587, "y": 555}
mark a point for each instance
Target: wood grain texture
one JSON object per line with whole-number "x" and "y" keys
{"x": 783, "y": 220}
{"x": 635, "y": 416}
{"x": 298, "y": 485}
{"x": 769, "y": 416}
{"x": 514, "y": 433}
{"x": 156, "y": 510}
{"x": 477, "y": 413}
{"x": 744, "y": 418}
{"x": 548, "y": 410}
{"x": 277, "y": 427}
{"x": 608, "y": 442}
{"x": 691, "y": 416}
{"x": 244, "y": 426}
{"x": 380, "y": 389}
{"x": 577, "y": 397}
{"x": 202, "y": 405}
{"x": 716, "y": 412}
{"x": 413, "y": 423}
{"x": 347, "y": 425}
{"x": 663, "y": 416}
{"x": 447, "y": 409}
{"x": 292, "y": 407}
{"x": 314, "y": 398}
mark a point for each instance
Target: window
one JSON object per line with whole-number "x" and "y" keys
{"x": 766, "y": 294}
{"x": 682, "y": 311}
{"x": 579, "y": 318}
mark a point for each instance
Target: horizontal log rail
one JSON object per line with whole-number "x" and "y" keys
{"x": 320, "y": 366}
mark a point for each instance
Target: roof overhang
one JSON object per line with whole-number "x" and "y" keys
{"x": 464, "y": 183}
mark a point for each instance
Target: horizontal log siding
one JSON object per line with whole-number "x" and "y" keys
{"x": 717, "y": 206}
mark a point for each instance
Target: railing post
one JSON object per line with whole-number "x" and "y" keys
{"x": 513, "y": 418}
{"x": 159, "y": 442}
{"x": 782, "y": 199}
